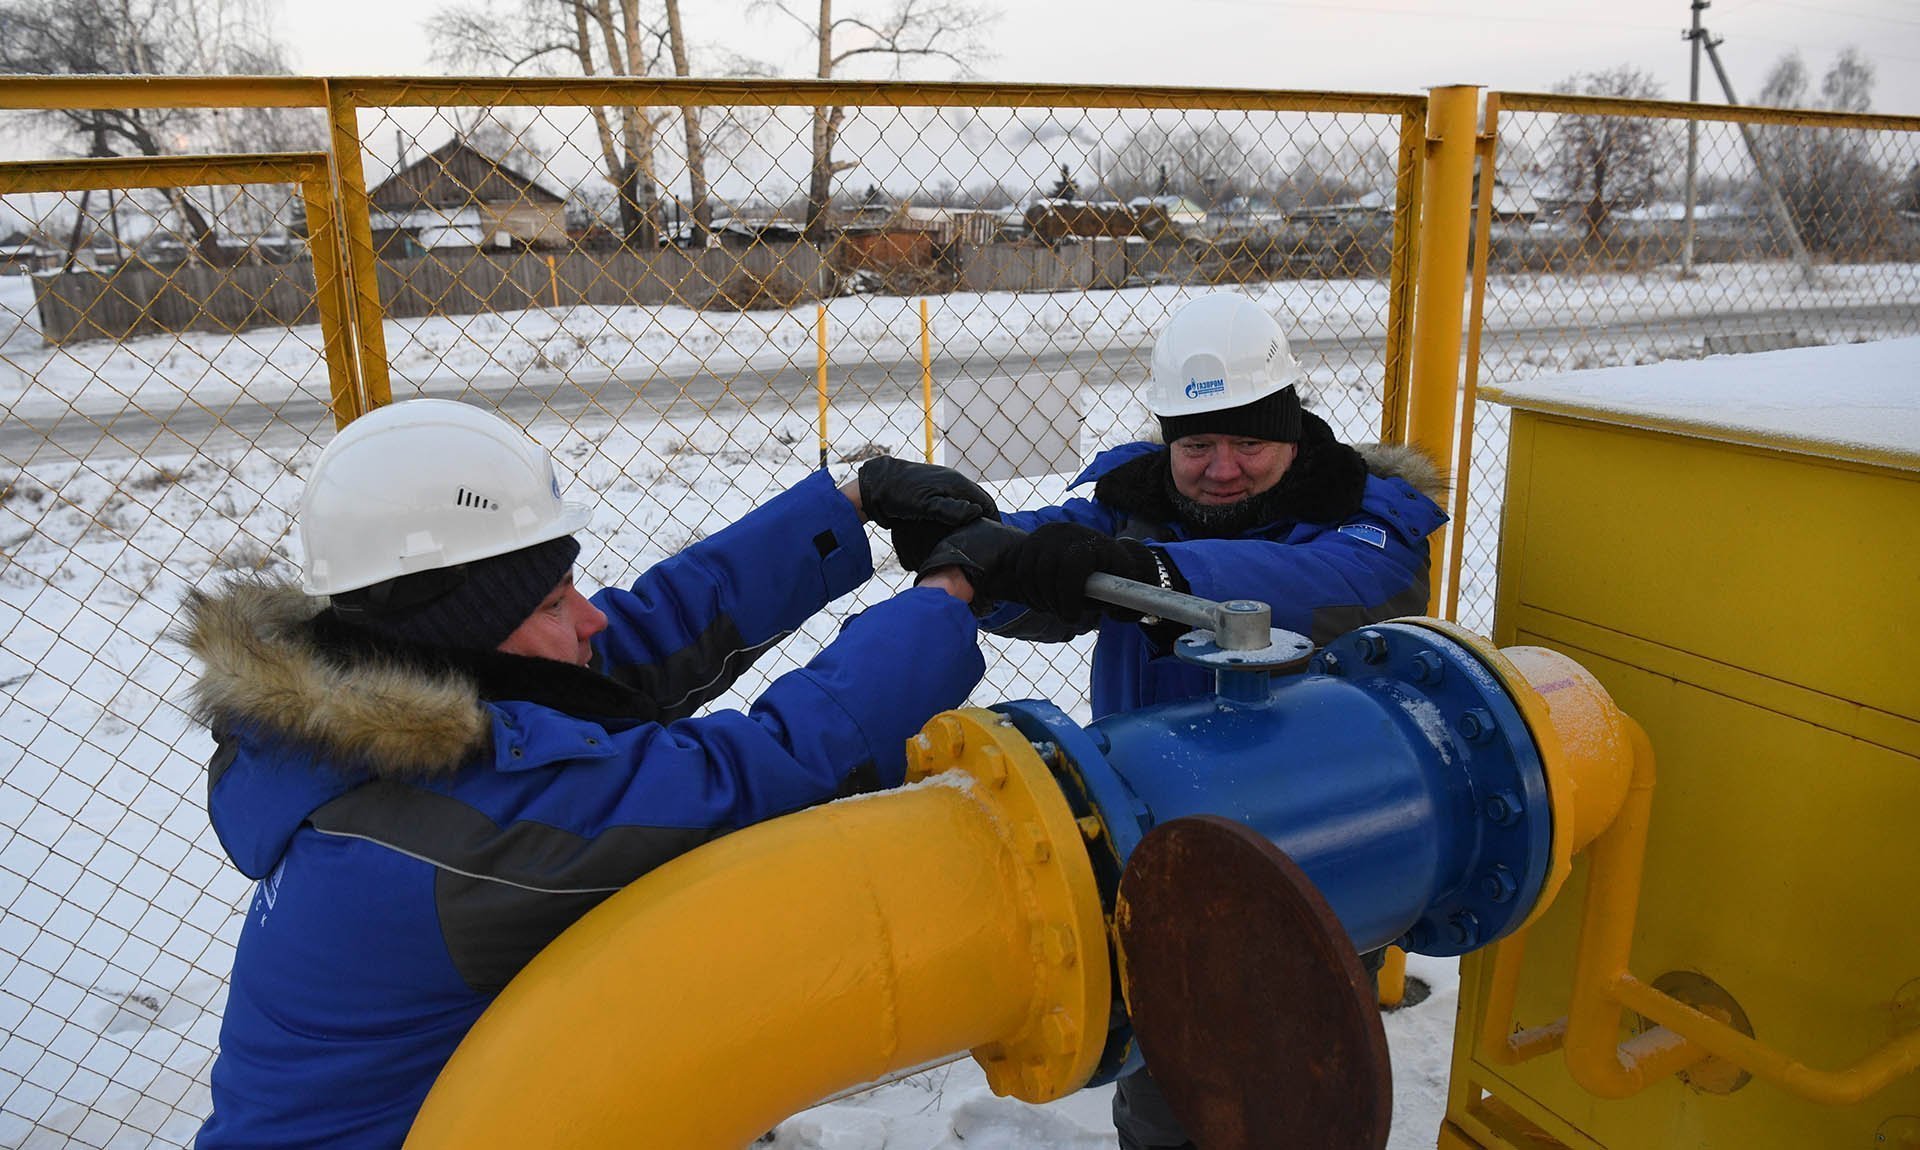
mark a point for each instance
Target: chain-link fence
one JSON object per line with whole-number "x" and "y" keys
{"x": 1605, "y": 243}
{"x": 156, "y": 404}
{"x": 977, "y": 276}
{"x": 694, "y": 293}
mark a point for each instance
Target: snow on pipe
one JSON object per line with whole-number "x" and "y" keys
{"x": 1431, "y": 789}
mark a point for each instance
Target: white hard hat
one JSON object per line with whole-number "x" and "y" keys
{"x": 425, "y": 484}
{"x": 1219, "y": 351}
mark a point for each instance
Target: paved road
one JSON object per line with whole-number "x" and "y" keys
{"x": 102, "y": 434}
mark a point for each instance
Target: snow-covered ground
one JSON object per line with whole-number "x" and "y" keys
{"x": 120, "y": 913}
{"x": 583, "y": 344}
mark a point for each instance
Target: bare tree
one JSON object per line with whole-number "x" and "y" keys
{"x": 1840, "y": 200}
{"x": 1607, "y": 162}
{"x": 149, "y": 37}
{"x": 699, "y": 207}
{"x": 588, "y": 35}
{"x": 952, "y": 31}
{"x": 496, "y": 133}
{"x": 1208, "y": 164}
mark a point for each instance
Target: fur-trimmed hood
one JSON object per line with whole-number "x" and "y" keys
{"x": 276, "y": 662}
{"x": 1325, "y": 484}
{"x": 264, "y": 670}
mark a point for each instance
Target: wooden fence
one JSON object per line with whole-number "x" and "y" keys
{"x": 1097, "y": 263}
{"x": 136, "y": 299}
{"x": 472, "y": 281}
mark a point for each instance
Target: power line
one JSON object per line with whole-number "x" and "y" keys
{"x": 1828, "y": 10}
{"x": 1281, "y": 7}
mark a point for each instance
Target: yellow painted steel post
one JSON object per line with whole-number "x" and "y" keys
{"x": 1486, "y": 147}
{"x": 553, "y": 282}
{"x": 820, "y": 334}
{"x": 362, "y": 266}
{"x": 330, "y": 300}
{"x": 1392, "y": 979}
{"x": 1440, "y": 297}
{"x": 1400, "y": 276}
{"x": 926, "y": 376}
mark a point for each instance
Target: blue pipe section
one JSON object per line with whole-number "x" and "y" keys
{"x": 1395, "y": 770}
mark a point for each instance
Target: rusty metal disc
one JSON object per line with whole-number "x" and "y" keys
{"x": 1257, "y": 1020}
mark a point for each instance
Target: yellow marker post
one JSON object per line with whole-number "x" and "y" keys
{"x": 820, "y": 332}
{"x": 1392, "y": 979}
{"x": 926, "y": 376}
{"x": 553, "y": 282}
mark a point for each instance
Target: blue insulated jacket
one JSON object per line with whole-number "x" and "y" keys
{"x": 1347, "y": 546}
{"x": 421, "y": 825}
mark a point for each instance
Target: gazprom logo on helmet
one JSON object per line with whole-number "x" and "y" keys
{"x": 1201, "y": 388}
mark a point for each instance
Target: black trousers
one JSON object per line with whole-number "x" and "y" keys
{"x": 1141, "y": 1115}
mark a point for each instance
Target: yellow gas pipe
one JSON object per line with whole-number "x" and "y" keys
{"x": 745, "y": 981}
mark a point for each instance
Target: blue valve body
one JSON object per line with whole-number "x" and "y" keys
{"x": 1395, "y": 770}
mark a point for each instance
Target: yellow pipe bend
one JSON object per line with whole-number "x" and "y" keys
{"x": 766, "y": 971}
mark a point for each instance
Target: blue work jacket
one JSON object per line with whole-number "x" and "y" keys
{"x": 421, "y": 826}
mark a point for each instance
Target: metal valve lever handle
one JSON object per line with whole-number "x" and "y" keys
{"x": 1237, "y": 624}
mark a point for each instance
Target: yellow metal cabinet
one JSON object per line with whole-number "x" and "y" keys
{"x": 1733, "y": 547}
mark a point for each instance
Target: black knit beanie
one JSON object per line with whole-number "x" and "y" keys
{"x": 1274, "y": 417}
{"x": 467, "y": 607}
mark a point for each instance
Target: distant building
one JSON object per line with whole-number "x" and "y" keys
{"x": 1053, "y": 220}
{"x": 946, "y": 225}
{"x": 1179, "y": 211}
{"x": 21, "y": 255}
{"x": 1512, "y": 204}
{"x": 1351, "y": 211}
{"x": 457, "y": 196}
{"x": 1246, "y": 213}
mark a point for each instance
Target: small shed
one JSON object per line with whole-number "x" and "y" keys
{"x": 20, "y": 254}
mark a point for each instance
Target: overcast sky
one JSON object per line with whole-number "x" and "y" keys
{"x": 1345, "y": 45}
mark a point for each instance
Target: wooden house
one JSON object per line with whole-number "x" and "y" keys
{"x": 458, "y": 196}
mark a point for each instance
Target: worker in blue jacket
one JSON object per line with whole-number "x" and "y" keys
{"x": 454, "y": 754}
{"x": 1246, "y": 496}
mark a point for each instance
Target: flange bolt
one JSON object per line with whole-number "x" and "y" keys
{"x": 1477, "y": 725}
{"x": 1498, "y": 885}
{"x": 1503, "y": 807}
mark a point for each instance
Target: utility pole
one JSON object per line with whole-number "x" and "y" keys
{"x": 1763, "y": 166}
{"x": 1693, "y": 136}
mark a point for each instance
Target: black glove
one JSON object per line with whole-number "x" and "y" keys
{"x": 895, "y": 491}
{"x": 1048, "y": 570}
{"x": 980, "y": 549}
{"x": 915, "y": 539}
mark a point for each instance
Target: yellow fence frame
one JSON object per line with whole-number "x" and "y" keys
{"x": 342, "y": 98}
{"x": 311, "y": 172}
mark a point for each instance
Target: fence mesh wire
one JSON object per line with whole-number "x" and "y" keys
{"x": 148, "y": 446}
{"x": 168, "y": 384}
